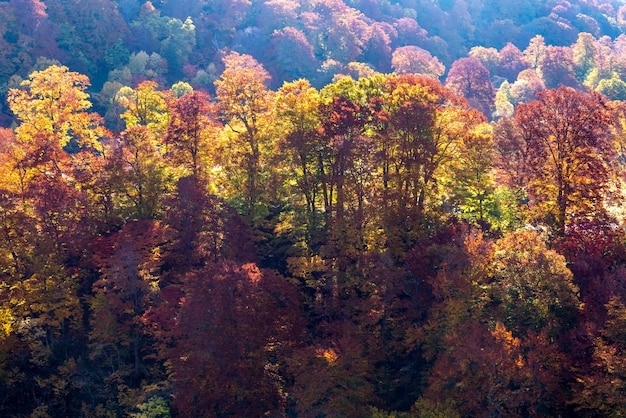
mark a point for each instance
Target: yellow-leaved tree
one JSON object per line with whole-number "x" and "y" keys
{"x": 246, "y": 107}
{"x": 45, "y": 213}
{"x": 53, "y": 103}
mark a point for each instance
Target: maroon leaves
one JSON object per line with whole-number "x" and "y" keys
{"x": 234, "y": 325}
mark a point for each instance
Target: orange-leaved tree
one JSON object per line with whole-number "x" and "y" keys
{"x": 192, "y": 128}
{"x": 569, "y": 151}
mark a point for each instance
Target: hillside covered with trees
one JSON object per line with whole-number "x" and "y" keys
{"x": 121, "y": 43}
{"x": 312, "y": 209}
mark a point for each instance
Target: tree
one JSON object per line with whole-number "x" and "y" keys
{"x": 511, "y": 62}
{"x": 88, "y": 31}
{"x": 356, "y": 71}
{"x": 488, "y": 57}
{"x": 378, "y": 50}
{"x": 526, "y": 87}
{"x": 141, "y": 67}
{"x": 180, "y": 89}
{"x": 332, "y": 379}
{"x": 245, "y": 104}
{"x": 567, "y": 137}
{"x": 30, "y": 14}
{"x": 278, "y": 14}
{"x": 297, "y": 109}
{"x": 490, "y": 334}
{"x": 45, "y": 222}
{"x": 343, "y": 117}
{"x": 224, "y": 15}
{"x": 585, "y": 55}
{"x": 471, "y": 185}
{"x": 487, "y": 372}
{"x": 535, "y": 52}
{"x": 410, "y": 32}
{"x": 36, "y": 31}
{"x": 234, "y": 327}
{"x": 192, "y": 128}
{"x": 293, "y": 54}
{"x": 145, "y": 106}
{"x": 8, "y": 50}
{"x": 54, "y": 146}
{"x": 52, "y": 104}
{"x": 614, "y": 88}
{"x": 557, "y": 67}
{"x": 173, "y": 38}
{"x": 138, "y": 175}
{"x": 470, "y": 79}
{"x": 512, "y": 154}
{"x": 415, "y": 60}
{"x": 202, "y": 229}
{"x": 600, "y": 389}
{"x": 179, "y": 43}
{"x": 128, "y": 262}
{"x": 420, "y": 125}
{"x": 533, "y": 286}
{"x": 504, "y": 107}
{"x": 344, "y": 30}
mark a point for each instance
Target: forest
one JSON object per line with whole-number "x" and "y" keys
{"x": 312, "y": 208}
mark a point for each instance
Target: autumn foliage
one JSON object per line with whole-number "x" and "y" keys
{"x": 376, "y": 247}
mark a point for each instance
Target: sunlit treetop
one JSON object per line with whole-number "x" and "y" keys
{"x": 53, "y": 102}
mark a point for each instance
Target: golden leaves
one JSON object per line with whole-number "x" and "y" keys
{"x": 53, "y": 101}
